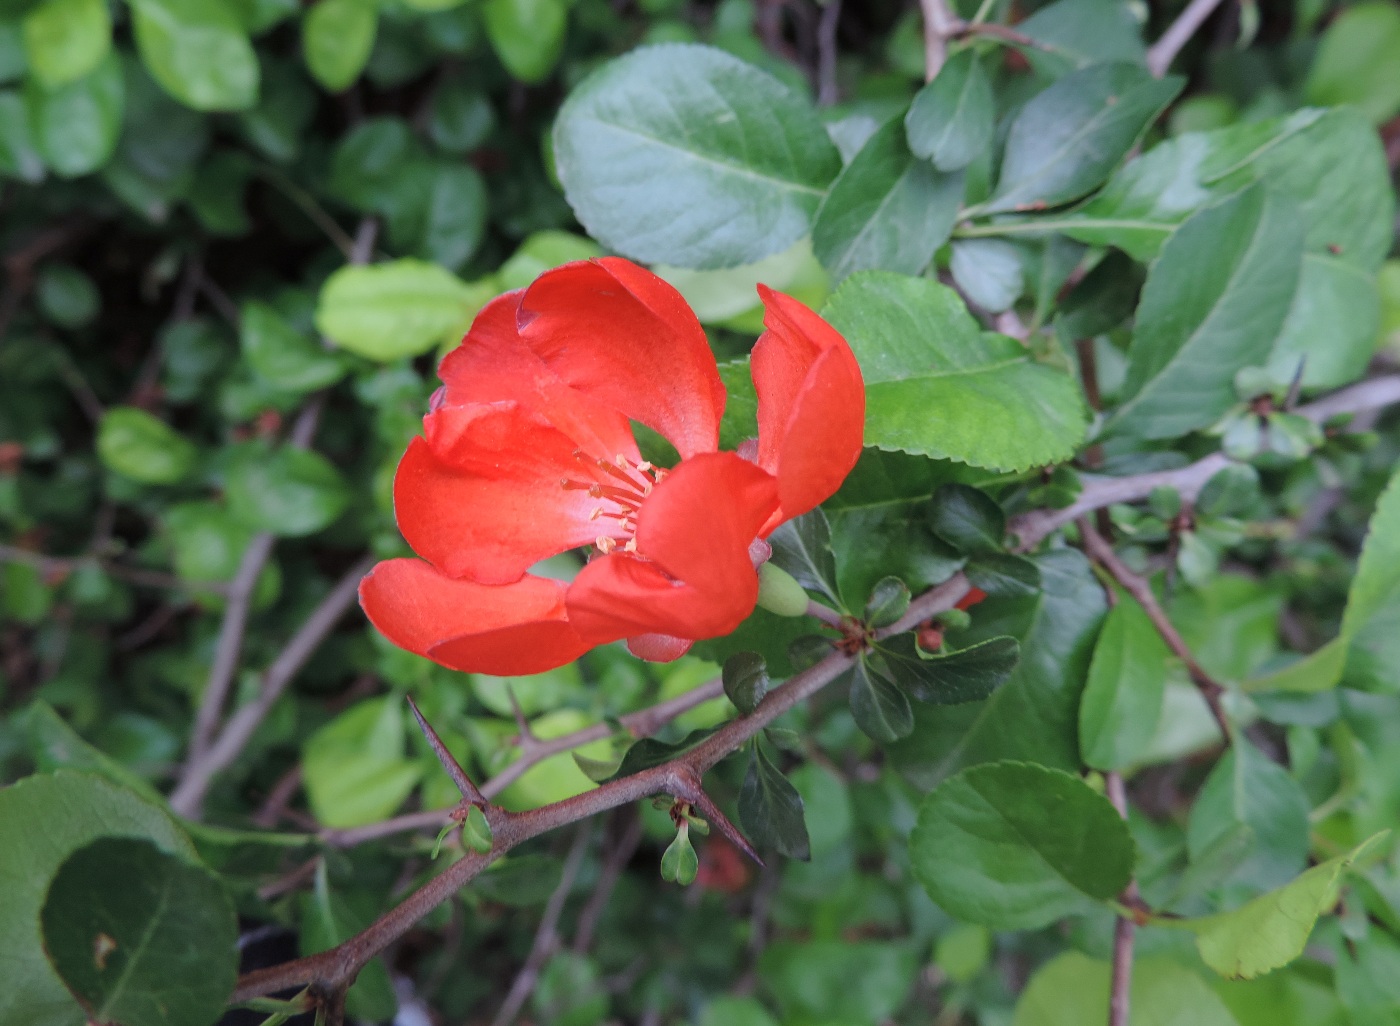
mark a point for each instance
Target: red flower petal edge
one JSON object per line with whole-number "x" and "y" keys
{"x": 527, "y": 453}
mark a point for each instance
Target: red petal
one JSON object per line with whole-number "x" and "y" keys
{"x": 811, "y": 404}
{"x": 494, "y": 364}
{"x": 622, "y": 336}
{"x": 692, "y": 576}
{"x": 501, "y": 629}
{"x": 658, "y": 648}
{"x": 481, "y": 497}
{"x": 973, "y": 596}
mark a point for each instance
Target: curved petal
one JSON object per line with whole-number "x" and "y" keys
{"x": 493, "y": 364}
{"x": 658, "y": 648}
{"x": 811, "y": 404}
{"x": 692, "y": 576}
{"x": 481, "y": 496}
{"x": 622, "y": 336}
{"x": 506, "y": 629}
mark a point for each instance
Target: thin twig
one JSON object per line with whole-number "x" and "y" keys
{"x": 1161, "y": 54}
{"x": 826, "y": 53}
{"x": 680, "y": 778}
{"x": 1123, "y": 927}
{"x": 547, "y": 936}
{"x": 1031, "y": 528}
{"x": 824, "y": 613}
{"x": 1138, "y": 587}
{"x": 940, "y": 25}
{"x": 188, "y": 796}
{"x": 642, "y": 723}
{"x": 616, "y": 856}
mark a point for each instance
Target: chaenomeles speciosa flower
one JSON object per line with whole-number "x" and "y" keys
{"x": 528, "y": 451}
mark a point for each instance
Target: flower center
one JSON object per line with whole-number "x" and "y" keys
{"x": 630, "y": 482}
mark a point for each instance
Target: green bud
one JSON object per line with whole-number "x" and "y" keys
{"x": 779, "y": 592}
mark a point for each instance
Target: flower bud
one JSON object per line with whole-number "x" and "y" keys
{"x": 779, "y": 592}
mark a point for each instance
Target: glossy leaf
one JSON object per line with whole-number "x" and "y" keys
{"x": 336, "y": 39}
{"x": 66, "y": 39}
{"x": 1213, "y": 303}
{"x": 283, "y": 356}
{"x": 393, "y": 310}
{"x": 989, "y": 272}
{"x": 745, "y": 679}
{"x": 802, "y": 547}
{"x": 1069, "y": 138}
{"x": 140, "y": 935}
{"x": 887, "y": 209}
{"x": 877, "y": 704}
{"x": 355, "y": 767}
{"x": 75, "y": 126}
{"x": 1273, "y": 929}
{"x": 770, "y": 809}
{"x": 1355, "y": 62}
{"x": 689, "y": 156}
{"x": 650, "y": 752}
{"x": 198, "y": 51}
{"x": 142, "y": 447}
{"x": 1003, "y": 573}
{"x": 1331, "y": 328}
{"x": 1016, "y": 846}
{"x": 950, "y": 120}
{"x": 527, "y": 35}
{"x": 56, "y": 814}
{"x": 1123, "y": 696}
{"x": 290, "y": 492}
{"x": 889, "y": 600}
{"x": 968, "y": 519}
{"x": 967, "y": 675}
{"x": 937, "y": 385}
{"x": 1248, "y": 793}
{"x": 1034, "y": 715}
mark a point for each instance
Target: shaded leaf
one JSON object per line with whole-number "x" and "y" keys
{"x": 968, "y": 675}
{"x": 950, "y": 120}
{"x": 878, "y": 705}
{"x": 770, "y": 809}
{"x": 802, "y": 547}
{"x": 745, "y": 679}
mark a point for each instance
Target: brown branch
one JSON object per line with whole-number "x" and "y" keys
{"x": 64, "y": 565}
{"x": 680, "y": 778}
{"x": 826, "y": 53}
{"x": 188, "y": 796}
{"x": 940, "y": 25}
{"x": 1138, "y": 587}
{"x": 616, "y": 856}
{"x": 546, "y": 941}
{"x": 1161, "y": 54}
{"x": 1031, "y": 528}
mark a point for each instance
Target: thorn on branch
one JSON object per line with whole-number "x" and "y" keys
{"x": 469, "y": 790}
{"x": 688, "y": 788}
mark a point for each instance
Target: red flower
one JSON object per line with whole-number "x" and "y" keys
{"x": 528, "y": 452}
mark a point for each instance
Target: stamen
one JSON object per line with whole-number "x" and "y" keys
{"x": 631, "y": 545}
{"x": 597, "y": 512}
{"x": 604, "y": 544}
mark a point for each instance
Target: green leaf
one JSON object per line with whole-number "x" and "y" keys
{"x": 283, "y": 356}
{"x": 527, "y": 35}
{"x": 937, "y": 385}
{"x": 67, "y": 296}
{"x": 1015, "y": 846}
{"x": 1332, "y": 326}
{"x": 878, "y": 706}
{"x": 66, "y": 39}
{"x": 476, "y": 831}
{"x": 770, "y": 809}
{"x": 745, "y": 678}
{"x": 290, "y": 492}
{"x": 56, "y": 814}
{"x": 142, "y": 447}
{"x": 75, "y": 126}
{"x": 968, "y": 519}
{"x": 950, "y": 121}
{"x": 1246, "y": 790}
{"x": 336, "y": 39}
{"x": 141, "y": 936}
{"x": 1123, "y": 696}
{"x": 679, "y": 863}
{"x": 686, "y": 155}
{"x": 1355, "y": 62}
{"x": 1003, "y": 573}
{"x": 1366, "y": 646}
{"x": 1273, "y": 929}
{"x": 889, "y": 600}
{"x": 835, "y": 980}
{"x": 1072, "y": 989}
{"x": 19, "y": 154}
{"x": 1067, "y": 139}
{"x": 651, "y": 752}
{"x": 1103, "y": 299}
{"x": 1213, "y": 303}
{"x": 209, "y": 543}
{"x": 989, "y": 272}
{"x": 887, "y": 210}
{"x": 967, "y": 675}
{"x": 198, "y": 51}
{"x": 802, "y": 547}
{"x": 1034, "y": 715}
{"x": 355, "y": 768}
{"x": 389, "y": 311}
